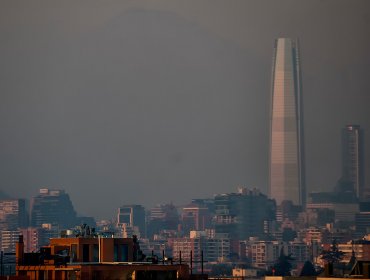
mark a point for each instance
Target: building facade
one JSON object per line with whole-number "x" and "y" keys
{"x": 131, "y": 220}
{"x": 241, "y": 215}
{"x": 198, "y": 244}
{"x": 286, "y": 134}
{"x": 263, "y": 253}
{"x": 358, "y": 248}
{"x": 88, "y": 258}
{"x": 36, "y": 237}
{"x": 53, "y": 207}
{"x": 13, "y": 214}
{"x": 8, "y": 240}
{"x": 31, "y": 239}
{"x": 194, "y": 217}
{"x": 162, "y": 217}
{"x": 352, "y": 158}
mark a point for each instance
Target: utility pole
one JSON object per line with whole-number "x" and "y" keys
{"x": 191, "y": 262}
{"x": 2, "y": 264}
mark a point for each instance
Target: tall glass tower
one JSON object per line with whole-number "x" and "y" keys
{"x": 286, "y": 131}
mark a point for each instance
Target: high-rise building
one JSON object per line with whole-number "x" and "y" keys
{"x": 194, "y": 217}
{"x": 31, "y": 239}
{"x": 53, "y": 207}
{"x": 352, "y": 158}
{"x": 132, "y": 216}
{"x": 286, "y": 134}
{"x": 162, "y": 217}
{"x": 13, "y": 214}
{"x": 244, "y": 214}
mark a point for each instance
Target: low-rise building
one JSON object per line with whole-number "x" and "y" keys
{"x": 198, "y": 244}
{"x": 357, "y": 248}
{"x": 263, "y": 253}
{"x": 92, "y": 258}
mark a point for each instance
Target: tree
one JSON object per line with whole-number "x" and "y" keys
{"x": 221, "y": 269}
{"x": 283, "y": 266}
{"x": 333, "y": 255}
{"x": 308, "y": 269}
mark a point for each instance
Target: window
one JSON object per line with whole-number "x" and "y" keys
{"x": 124, "y": 252}
{"x": 95, "y": 253}
{"x": 85, "y": 253}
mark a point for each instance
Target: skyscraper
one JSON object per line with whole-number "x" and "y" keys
{"x": 13, "y": 214}
{"x": 286, "y": 134}
{"x": 352, "y": 158}
{"x": 53, "y": 207}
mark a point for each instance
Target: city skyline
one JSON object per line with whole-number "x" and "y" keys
{"x": 150, "y": 101}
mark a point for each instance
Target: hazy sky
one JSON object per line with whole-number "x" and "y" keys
{"x": 155, "y": 101}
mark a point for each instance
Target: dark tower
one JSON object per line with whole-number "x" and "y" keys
{"x": 352, "y": 137}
